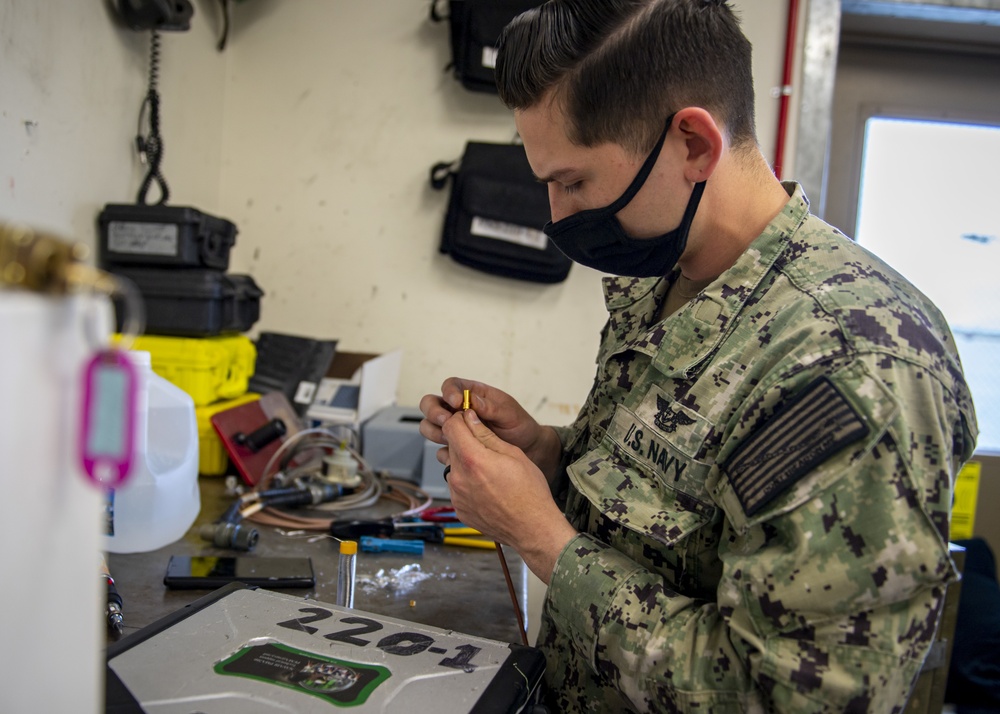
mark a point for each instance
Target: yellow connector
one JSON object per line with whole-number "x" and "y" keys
{"x": 465, "y": 400}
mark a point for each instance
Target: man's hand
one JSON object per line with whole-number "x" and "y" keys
{"x": 502, "y": 415}
{"x": 498, "y": 490}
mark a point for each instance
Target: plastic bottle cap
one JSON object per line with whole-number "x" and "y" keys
{"x": 141, "y": 358}
{"x": 348, "y": 547}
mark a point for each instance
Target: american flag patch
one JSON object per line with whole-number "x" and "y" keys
{"x": 801, "y": 435}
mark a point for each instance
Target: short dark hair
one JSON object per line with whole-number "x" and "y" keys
{"x": 620, "y": 67}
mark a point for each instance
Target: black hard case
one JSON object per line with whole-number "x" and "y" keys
{"x": 195, "y": 302}
{"x": 137, "y": 235}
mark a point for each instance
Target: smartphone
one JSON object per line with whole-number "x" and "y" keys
{"x": 194, "y": 572}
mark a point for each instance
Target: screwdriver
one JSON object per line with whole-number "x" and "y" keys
{"x": 371, "y": 544}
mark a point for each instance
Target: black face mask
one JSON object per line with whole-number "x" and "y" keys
{"x": 596, "y": 239}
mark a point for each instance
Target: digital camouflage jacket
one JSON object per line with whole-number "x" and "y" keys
{"x": 762, "y": 483}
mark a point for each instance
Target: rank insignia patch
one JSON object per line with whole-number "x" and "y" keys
{"x": 800, "y": 436}
{"x": 667, "y": 419}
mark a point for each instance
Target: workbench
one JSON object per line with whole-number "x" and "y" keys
{"x": 465, "y": 592}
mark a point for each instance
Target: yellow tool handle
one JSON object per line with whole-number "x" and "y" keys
{"x": 470, "y": 542}
{"x": 462, "y": 531}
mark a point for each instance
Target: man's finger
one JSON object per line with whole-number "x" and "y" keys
{"x": 463, "y": 440}
{"x": 443, "y": 456}
{"x": 485, "y": 435}
{"x": 454, "y": 388}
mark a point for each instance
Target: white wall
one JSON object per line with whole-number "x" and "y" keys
{"x": 335, "y": 111}
{"x": 314, "y": 131}
{"x": 71, "y": 83}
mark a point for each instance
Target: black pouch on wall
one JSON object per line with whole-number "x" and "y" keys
{"x": 495, "y": 215}
{"x": 475, "y": 28}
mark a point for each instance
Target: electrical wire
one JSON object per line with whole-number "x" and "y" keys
{"x": 326, "y": 439}
{"x": 361, "y": 498}
{"x": 513, "y": 596}
{"x": 372, "y": 488}
{"x": 224, "y": 36}
{"x": 408, "y": 494}
{"x": 267, "y": 474}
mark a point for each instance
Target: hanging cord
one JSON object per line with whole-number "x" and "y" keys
{"x": 224, "y": 37}
{"x": 151, "y": 146}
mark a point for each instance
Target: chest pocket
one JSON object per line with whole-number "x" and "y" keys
{"x": 642, "y": 475}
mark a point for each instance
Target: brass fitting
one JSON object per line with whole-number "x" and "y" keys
{"x": 36, "y": 261}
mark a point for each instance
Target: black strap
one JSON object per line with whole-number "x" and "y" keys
{"x": 436, "y": 15}
{"x": 441, "y": 172}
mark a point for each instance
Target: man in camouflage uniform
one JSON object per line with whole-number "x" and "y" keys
{"x": 751, "y": 511}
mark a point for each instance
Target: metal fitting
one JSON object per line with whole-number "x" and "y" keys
{"x": 230, "y": 535}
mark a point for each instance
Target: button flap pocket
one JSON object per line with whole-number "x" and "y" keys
{"x": 636, "y": 478}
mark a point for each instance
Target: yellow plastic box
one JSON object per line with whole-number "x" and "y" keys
{"x": 212, "y": 456}
{"x": 210, "y": 369}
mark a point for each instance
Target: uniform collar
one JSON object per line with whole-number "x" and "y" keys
{"x": 680, "y": 343}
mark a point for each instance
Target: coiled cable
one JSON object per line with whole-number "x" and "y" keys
{"x": 150, "y": 146}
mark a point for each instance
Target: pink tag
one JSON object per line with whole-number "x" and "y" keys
{"x": 107, "y": 434}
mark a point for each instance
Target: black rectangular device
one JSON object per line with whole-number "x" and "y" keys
{"x": 207, "y": 572}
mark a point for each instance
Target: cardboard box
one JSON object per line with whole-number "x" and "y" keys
{"x": 356, "y": 386}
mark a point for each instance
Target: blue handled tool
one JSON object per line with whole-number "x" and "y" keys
{"x": 371, "y": 544}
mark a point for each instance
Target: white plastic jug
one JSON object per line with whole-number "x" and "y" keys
{"x": 160, "y": 500}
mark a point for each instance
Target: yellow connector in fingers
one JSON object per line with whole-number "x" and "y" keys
{"x": 465, "y": 400}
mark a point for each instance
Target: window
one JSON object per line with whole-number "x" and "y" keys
{"x": 929, "y": 207}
